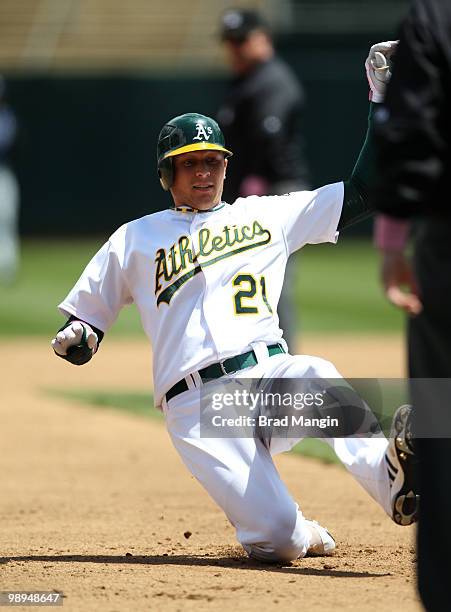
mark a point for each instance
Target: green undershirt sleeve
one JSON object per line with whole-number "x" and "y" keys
{"x": 356, "y": 206}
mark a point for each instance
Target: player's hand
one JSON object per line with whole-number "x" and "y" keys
{"x": 377, "y": 67}
{"x": 74, "y": 335}
{"x": 399, "y": 282}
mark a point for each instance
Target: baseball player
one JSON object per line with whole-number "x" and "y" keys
{"x": 206, "y": 277}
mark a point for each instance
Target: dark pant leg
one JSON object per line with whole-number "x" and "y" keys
{"x": 434, "y": 534}
{"x": 430, "y": 358}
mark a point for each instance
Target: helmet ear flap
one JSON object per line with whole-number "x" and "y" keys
{"x": 166, "y": 173}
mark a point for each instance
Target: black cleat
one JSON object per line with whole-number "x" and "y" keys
{"x": 401, "y": 465}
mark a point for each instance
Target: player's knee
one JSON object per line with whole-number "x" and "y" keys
{"x": 283, "y": 542}
{"x": 321, "y": 368}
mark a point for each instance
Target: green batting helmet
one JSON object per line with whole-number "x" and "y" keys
{"x": 185, "y": 133}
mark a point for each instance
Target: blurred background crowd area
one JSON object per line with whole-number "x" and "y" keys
{"x": 93, "y": 81}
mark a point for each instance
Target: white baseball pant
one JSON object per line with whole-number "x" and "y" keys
{"x": 240, "y": 475}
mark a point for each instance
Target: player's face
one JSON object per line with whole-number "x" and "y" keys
{"x": 198, "y": 179}
{"x": 243, "y": 54}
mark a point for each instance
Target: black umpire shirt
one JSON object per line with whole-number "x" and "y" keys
{"x": 413, "y": 133}
{"x": 261, "y": 121}
{"x": 414, "y": 160}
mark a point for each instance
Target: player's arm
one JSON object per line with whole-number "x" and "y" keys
{"x": 93, "y": 303}
{"x": 356, "y": 201}
{"x": 77, "y": 341}
{"x": 396, "y": 270}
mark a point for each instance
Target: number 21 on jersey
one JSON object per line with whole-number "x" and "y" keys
{"x": 245, "y": 301}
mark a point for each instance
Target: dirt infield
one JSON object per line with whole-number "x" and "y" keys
{"x": 97, "y": 504}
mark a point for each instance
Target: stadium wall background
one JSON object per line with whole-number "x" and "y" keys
{"x": 88, "y": 142}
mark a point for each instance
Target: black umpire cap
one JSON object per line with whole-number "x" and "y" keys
{"x": 236, "y": 24}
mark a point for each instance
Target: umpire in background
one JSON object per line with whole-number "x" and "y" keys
{"x": 414, "y": 156}
{"x": 261, "y": 120}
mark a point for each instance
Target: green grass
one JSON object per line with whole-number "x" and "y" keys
{"x": 316, "y": 449}
{"x": 336, "y": 289}
{"x": 132, "y": 402}
{"x": 48, "y": 271}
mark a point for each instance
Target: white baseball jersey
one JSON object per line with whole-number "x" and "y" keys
{"x": 206, "y": 284}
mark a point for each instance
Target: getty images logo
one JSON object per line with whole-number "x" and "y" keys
{"x": 203, "y": 133}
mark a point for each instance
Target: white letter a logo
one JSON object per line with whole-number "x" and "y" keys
{"x": 202, "y": 132}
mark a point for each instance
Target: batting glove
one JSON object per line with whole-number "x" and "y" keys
{"x": 378, "y": 68}
{"x": 76, "y": 343}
